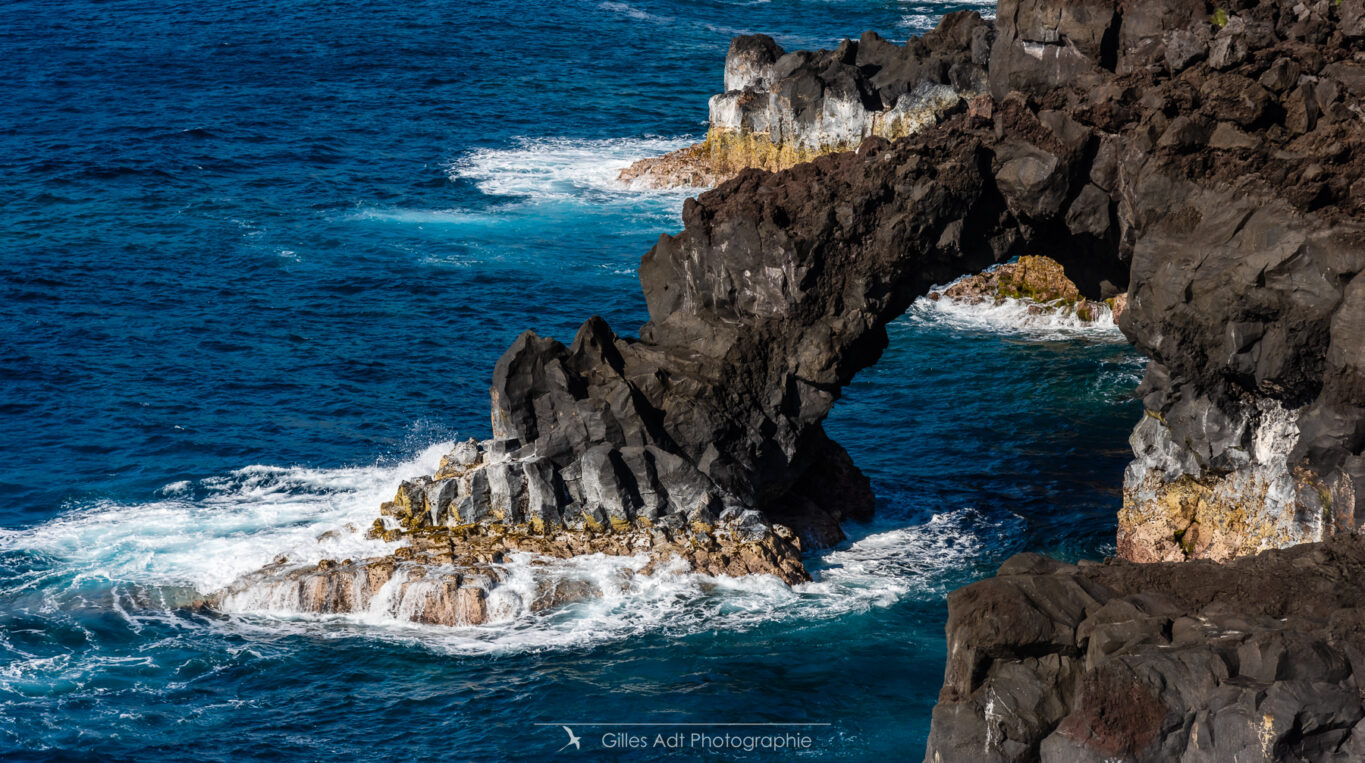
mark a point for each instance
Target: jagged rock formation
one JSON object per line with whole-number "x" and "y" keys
{"x": 1230, "y": 143}
{"x": 780, "y": 109}
{"x": 1217, "y": 164}
{"x": 1258, "y": 659}
{"x": 1246, "y": 250}
{"x": 701, "y": 441}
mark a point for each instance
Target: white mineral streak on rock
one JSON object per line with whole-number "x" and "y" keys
{"x": 841, "y": 122}
{"x": 1176, "y": 505}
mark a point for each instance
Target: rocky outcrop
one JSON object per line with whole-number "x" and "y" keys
{"x": 1258, "y": 659}
{"x": 1217, "y": 157}
{"x": 707, "y": 428}
{"x": 1230, "y": 145}
{"x": 444, "y": 571}
{"x": 1245, "y": 253}
{"x": 780, "y": 109}
{"x": 1039, "y": 282}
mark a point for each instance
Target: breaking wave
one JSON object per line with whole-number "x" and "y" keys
{"x": 143, "y": 561}
{"x": 1022, "y": 318}
{"x": 555, "y": 169}
{"x": 205, "y": 534}
{"x": 877, "y": 570}
{"x": 922, "y": 17}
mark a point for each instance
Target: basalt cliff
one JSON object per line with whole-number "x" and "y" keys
{"x": 1257, "y": 659}
{"x": 1203, "y": 162}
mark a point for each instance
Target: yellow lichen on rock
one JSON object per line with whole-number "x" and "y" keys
{"x": 1041, "y": 279}
{"x": 724, "y": 154}
{"x": 1214, "y": 518}
{"x": 1038, "y": 279}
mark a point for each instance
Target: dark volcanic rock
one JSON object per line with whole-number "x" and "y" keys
{"x": 1226, "y": 188}
{"x": 1094, "y": 149}
{"x": 777, "y": 292}
{"x": 1258, "y": 659}
{"x": 1222, "y": 193}
{"x": 1237, "y": 207}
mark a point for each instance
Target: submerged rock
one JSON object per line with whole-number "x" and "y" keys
{"x": 1254, "y": 660}
{"x": 420, "y": 590}
{"x": 780, "y": 109}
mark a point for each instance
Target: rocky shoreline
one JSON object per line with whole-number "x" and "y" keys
{"x": 1041, "y": 282}
{"x": 1197, "y": 165}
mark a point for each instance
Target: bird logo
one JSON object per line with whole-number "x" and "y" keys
{"x": 573, "y": 740}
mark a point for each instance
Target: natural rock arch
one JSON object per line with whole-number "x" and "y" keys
{"x": 1222, "y": 189}
{"x": 1137, "y": 143}
{"x": 774, "y": 295}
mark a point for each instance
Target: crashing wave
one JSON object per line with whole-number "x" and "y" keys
{"x": 1043, "y": 307}
{"x": 541, "y": 603}
{"x": 552, "y": 169}
{"x": 199, "y": 536}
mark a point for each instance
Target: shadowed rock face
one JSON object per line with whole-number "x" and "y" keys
{"x": 1257, "y": 659}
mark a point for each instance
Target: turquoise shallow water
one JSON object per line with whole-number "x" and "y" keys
{"x": 257, "y": 262}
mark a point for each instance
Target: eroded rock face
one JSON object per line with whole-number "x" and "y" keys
{"x": 1222, "y": 164}
{"x": 780, "y": 109}
{"x": 1257, "y": 659}
{"x": 1231, "y": 146}
{"x": 1246, "y": 249}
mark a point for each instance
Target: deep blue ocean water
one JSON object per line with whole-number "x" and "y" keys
{"x": 257, "y": 261}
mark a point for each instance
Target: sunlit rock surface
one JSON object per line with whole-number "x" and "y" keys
{"x": 780, "y": 109}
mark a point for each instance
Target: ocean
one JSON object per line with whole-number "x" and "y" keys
{"x": 258, "y": 260}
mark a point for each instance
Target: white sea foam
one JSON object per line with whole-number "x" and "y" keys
{"x": 919, "y": 19}
{"x": 632, "y": 12}
{"x": 875, "y": 571}
{"x": 443, "y": 217}
{"x": 208, "y": 533}
{"x": 141, "y": 559}
{"x": 557, "y": 169}
{"x": 1119, "y": 377}
{"x": 1012, "y": 317}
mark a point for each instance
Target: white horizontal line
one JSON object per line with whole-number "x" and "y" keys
{"x": 585, "y": 723}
